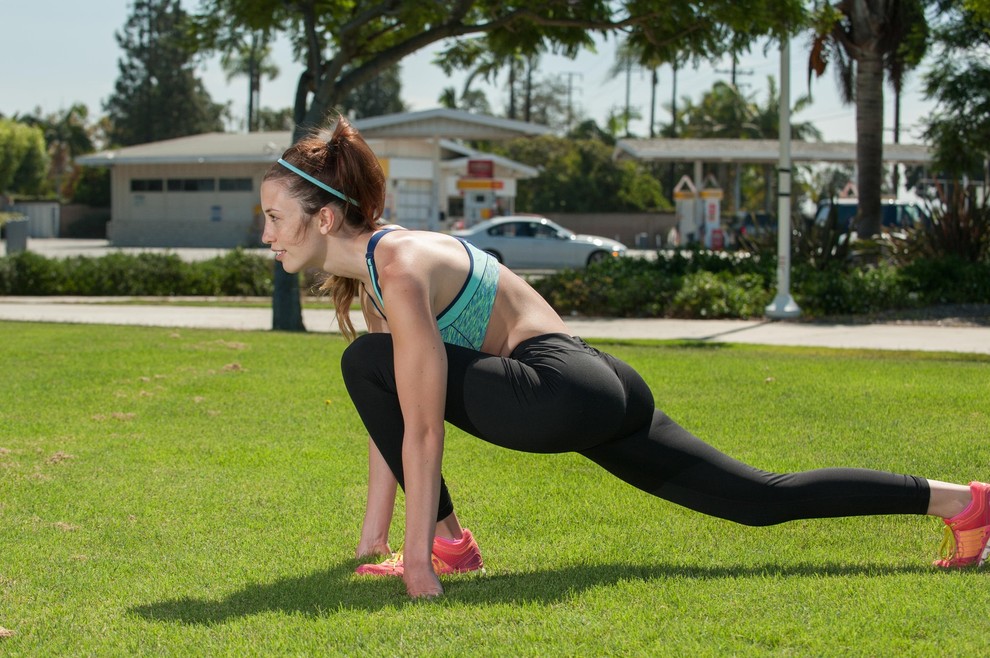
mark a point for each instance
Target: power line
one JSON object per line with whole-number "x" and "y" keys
{"x": 735, "y": 71}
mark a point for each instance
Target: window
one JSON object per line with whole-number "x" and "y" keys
{"x": 191, "y": 184}
{"x": 236, "y": 185}
{"x": 146, "y": 185}
{"x": 511, "y": 230}
{"x": 544, "y": 231}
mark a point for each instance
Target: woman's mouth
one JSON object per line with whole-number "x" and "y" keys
{"x": 278, "y": 253}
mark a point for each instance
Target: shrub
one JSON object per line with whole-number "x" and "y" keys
{"x": 630, "y": 287}
{"x": 723, "y": 295}
{"x": 948, "y": 280}
{"x": 147, "y": 274}
{"x": 959, "y": 229}
{"x": 838, "y": 291}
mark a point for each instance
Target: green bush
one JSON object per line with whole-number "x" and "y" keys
{"x": 682, "y": 284}
{"x": 147, "y": 274}
{"x": 839, "y": 290}
{"x": 948, "y": 280}
{"x": 631, "y": 287}
{"x": 722, "y": 295}
{"x": 711, "y": 285}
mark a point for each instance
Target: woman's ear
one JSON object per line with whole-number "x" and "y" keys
{"x": 327, "y": 220}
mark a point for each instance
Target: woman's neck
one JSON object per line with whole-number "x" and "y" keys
{"x": 345, "y": 256}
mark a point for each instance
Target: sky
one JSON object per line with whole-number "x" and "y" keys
{"x": 55, "y": 53}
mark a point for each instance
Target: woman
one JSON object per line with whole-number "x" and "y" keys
{"x": 454, "y": 335}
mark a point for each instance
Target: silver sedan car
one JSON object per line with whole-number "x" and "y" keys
{"x": 531, "y": 242}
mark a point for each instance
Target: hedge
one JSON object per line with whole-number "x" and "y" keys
{"x": 236, "y": 273}
{"x": 680, "y": 284}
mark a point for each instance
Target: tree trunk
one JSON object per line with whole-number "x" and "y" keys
{"x": 869, "y": 141}
{"x": 286, "y": 305}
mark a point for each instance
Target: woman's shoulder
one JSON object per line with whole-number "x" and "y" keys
{"x": 422, "y": 248}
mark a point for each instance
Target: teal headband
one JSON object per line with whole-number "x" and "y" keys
{"x": 317, "y": 182}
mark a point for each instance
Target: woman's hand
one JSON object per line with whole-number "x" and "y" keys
{"x": 422, "y": 583}
{"x": 372, "y": 549}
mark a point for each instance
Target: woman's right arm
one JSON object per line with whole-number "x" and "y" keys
{"x": 382, "y": 484}
{"x": 381, "y": 503}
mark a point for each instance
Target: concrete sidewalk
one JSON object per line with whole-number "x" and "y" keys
{"x": 925, "y": 337}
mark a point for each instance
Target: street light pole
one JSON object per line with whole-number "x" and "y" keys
{"x": 783, "y": 305}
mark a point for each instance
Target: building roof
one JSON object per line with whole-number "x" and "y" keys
{"x": 265, "y": 147}
{"x": 765, "y": 151}
{"x": 520, "y": 170}
{"x": 447, "y": 123}
{"x": 262, "y": 147}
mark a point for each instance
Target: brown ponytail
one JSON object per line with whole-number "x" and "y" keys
{"x": 338, "y": 156}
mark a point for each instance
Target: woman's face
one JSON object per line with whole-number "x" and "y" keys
{"x": 293, "y": 235}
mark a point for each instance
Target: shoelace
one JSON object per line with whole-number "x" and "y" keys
{"x": 947, "y": 549}
{"x": 394, "y": 562}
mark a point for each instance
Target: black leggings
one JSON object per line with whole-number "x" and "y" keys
{"x": 556, "y": 393}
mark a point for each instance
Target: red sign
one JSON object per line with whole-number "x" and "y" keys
{"x": 480, "y": 168}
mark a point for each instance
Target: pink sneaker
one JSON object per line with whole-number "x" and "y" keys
{"x": 965, "y": 541}
{"x": 449, "y": 556}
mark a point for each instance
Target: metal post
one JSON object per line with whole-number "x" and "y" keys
{"x": 783, "y": 305}
{"x": 433, "y": 221}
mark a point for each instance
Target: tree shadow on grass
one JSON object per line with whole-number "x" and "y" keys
{"x": 323, "y": 592}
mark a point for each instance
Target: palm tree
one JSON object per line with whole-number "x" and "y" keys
{"x": 725, "y": 112}
{"x": 632, "y": 54}
{"x": 867, "y": 38}
{"x": 250, "y": 57}
{"x": 485, "y": 60}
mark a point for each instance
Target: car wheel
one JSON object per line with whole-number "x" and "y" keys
{"x": 497, "y": 255}
{"x": 597, "y": 257}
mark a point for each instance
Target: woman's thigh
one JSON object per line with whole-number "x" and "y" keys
{"x": 553, "y": 394}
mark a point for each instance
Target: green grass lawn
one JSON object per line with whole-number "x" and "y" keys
{"x": 186, "y": 492}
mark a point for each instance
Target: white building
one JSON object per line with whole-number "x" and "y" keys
{"x": 203, "y": 190}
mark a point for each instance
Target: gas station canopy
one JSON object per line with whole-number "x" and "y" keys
{"x": 760, "y": 151}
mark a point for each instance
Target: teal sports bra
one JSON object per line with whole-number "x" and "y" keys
{"x": 465, "y": 320}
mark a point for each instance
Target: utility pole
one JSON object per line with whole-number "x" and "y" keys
{"x": 628, "y": 81}
{"x": 734, "y": 71}
{"x": 783, "y": 305}
{"x": 653, "y": 103}
{"x": 570, "y": 80}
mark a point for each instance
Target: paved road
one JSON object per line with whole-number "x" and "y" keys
{"x": 871, "y": 336}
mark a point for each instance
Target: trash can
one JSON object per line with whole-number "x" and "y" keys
{"x": 17, "y": 235}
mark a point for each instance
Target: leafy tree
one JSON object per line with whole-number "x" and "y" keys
{"x": 959, "y": 127}
{"x": 580, "y": 175}
{"x": 23, "y": 158}
{"x": 157, "y": 95}
{"x": 473, "y": 100}
{"x": 343, "y": 45}
{"x": 544, "y": 99}
{"x": 269, "y": 119}
{"x": 381, "y": 95}
{"x": 67, "y": 135}
{"x": 867, "y": 38}
{"x": 91, "y": 186}
{"x": 250, "y": 56}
